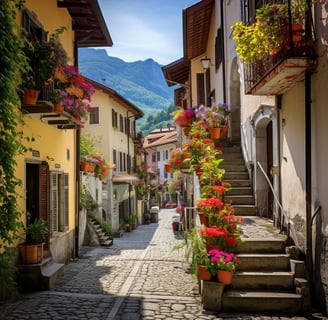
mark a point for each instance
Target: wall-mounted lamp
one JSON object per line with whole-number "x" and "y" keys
{"x": 206, "y": 63}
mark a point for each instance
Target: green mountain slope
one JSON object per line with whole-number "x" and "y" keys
{"x": 141, "y": 82}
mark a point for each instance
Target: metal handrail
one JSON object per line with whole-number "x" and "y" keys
{"x": 284, "y": 212}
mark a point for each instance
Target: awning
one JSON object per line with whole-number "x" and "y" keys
{"x": 120, "y": 178}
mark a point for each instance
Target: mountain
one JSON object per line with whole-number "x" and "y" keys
{"x": 140, "y": 82}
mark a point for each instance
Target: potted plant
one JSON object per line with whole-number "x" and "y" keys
{"x": 183, "y": 117}
{"x": 225, "y": 263}
{"x": 31, "y": 250}
{"x": 43, "y": 58}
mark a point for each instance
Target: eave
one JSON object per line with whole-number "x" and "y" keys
{"x": 88, "y": 23}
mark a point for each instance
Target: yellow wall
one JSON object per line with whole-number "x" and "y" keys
{"x": 51, "y": 142}
{"x": 52, "y": 18}
{"x": 53, "y": 145}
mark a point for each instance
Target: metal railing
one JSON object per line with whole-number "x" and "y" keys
{"x": 290, "y": 225}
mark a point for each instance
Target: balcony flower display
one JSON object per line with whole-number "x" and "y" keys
{"x": 73, "y": 92}
{"x": 183, "y": 117}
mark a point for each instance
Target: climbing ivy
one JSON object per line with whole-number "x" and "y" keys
{"x": 13, "y": 63}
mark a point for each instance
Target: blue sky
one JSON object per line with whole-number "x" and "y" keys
{"x": 142, "y": 29}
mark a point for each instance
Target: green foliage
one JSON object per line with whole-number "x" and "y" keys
{"x": 8, "y": 286}
{"x": 86, "y": 200}
{"x": 13, "y": 63}
{"x": 87, "y": 145}
{"x": 36, "y": 231}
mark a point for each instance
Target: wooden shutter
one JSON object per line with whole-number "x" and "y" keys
{"x": 43, "y": 191}
{"x": 54, "y": 201}
{"x": 63, "y": 202}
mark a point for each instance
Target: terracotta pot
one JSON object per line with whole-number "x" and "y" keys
{"x": 58, "y": 108}
{"x": 214, "y": 133}
{"x": 91, "y": 167}
{"x": 202, "y": 218}
{"x": 225, "y": 276}
{"x": 167, "y": 167}
{"x": 203, "y": 274}
{"x": 84, "y": 166}
{"x": 186, "y": 131}
{"x": 31, "y": 253}
{"x": 30, "y": 96}
{"x": 105, "y": 171}
{"x": 224, "y": 131}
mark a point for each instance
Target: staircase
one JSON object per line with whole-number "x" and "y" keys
{"x": 268, "y": 279}
{"x": 104, "y": 238}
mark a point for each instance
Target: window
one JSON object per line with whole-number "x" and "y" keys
{"x": 114, "y": 118}
{"x": 218, "y": 48}
{"x": 94, "y": 115}
{"x": 158, "y": 156}
{"x": 59, "y": 195}
{"x": 115, "y": 159}
{"x": 153, "y": 157}
{"x": 200, "y": 89}
{"x": 33, "y": 28}
{"x": 121, "y": 123}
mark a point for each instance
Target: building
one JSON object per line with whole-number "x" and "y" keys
{"x": 112, "y": 125}
{"x": 277, "y": 114}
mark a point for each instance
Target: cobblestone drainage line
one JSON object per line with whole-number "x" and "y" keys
{"x": 127, "y": 284}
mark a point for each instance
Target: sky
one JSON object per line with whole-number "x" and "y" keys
{"x": 143, "y": 29}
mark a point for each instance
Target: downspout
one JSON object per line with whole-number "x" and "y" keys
{"x": 308, "y": 176}
{"x": 223, "y": 56}
{"x": 77, "y": 176}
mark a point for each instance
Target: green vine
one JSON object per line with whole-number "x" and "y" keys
{"x": 13, "y": 63}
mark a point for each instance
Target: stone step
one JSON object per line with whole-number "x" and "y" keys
{"x": 269, "y": 245}
{"x": 236, "y": 176}
{"x": 263, "y": 262}
{"x": 233, "y": 167}
{"x": 262, "y": 301}
{"x": 52, "y": 273}
{"x": 241, "y": 199}
{"x": 107, "y": 242}
{"x": 270, "y": 280}
{"x": 238, "y": 183}
{"x": 239, "y": 191}
{"x": 245, "y": 210}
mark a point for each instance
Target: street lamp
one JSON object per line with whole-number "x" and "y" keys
{"x": 206, "y": 63}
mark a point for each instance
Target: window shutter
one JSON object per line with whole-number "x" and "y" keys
{"x": 63, "y": 202}
{"x": 54, "y": 201}
{"x": 43, "y": 191}
{"x": 200, "y": 89}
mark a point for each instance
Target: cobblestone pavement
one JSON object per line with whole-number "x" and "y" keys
{"x": 140, "y": 277}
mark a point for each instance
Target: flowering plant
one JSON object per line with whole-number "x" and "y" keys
{"x": 222, "y": 260}
{"x": 183, "y": 117}
{"x": 178, "y": 158}
{"x": 210, "y": 115}
{"x": 73, "y": 92}
{"x": 209, "y": 205}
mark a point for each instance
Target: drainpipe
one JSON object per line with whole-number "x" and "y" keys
{"x": 223, "y": 56}
{"x": 308, "y": 175}
{"x": 77, "y": 176}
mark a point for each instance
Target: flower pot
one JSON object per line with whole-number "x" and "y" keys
{"x": 224, "y": 276}
{"x": 31, "y": 253}
{"x": 91, "y": 167}
{"x": 202, "y": 218}
{"x": 58, "y": 108}
{"x": 105, "y": 171}
{"x": 224, "y": 131}
{"x": 84, "y": 166}
{"x": 167, "y": 168}
{"x": 203, "y": 274}
{"x": 30, "y": 96}
{"x": 214, "y": 133}
{"x": 186, "y": 131}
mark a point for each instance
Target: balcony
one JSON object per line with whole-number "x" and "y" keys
{"x": 286, "y": 64}
{"x": 45, "y": 112}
